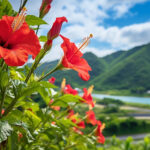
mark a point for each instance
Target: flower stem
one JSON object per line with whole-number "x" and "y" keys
{"x": 34, "y": 66}
{"x": 53, "y": 70}
{"x": 2, "y": 101}
{"x": 2, "y": 63}
{"x": 37, "y": 29}
{"x": 10, "y": 107}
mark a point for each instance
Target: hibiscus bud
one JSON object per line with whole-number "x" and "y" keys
{"x": 48, "y": 45}
{"x": 52, "y": 80}
{"x": 45, "y": 7}
{"x": 90, "y": 89}
{"x": 3, "y": 111}
{"x": 20, "y": 136}
{"x": 56, "y": 27}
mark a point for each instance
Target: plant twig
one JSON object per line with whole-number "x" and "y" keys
{"x": 10, "y": 107}
{"x": 56, "y": 68}
{"x": 24, "y": 3}
{"x": 2, "y": 101}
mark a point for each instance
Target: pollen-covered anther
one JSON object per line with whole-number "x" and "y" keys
{"x": 63, "y": 84}
{"x": 90, "y": 89}
{"x": 85, "y": 42}
{"x": 19, "y": 20}
{"x": 102, "y": 127}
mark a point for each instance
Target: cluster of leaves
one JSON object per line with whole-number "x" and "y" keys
{"x": 23, "y": 124}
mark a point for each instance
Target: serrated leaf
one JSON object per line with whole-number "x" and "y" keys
{"x": 33, "y": 20}
{"x": 5, "y": 131}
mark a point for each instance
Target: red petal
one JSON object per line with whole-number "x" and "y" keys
{"x": 30, "y": 43}
{"x": 4, "y": 31}
{"x": 15, "y": 57}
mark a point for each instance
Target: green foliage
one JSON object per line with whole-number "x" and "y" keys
{"x": 107, "y": 101}
{"x": 117, "y": 126}
{"x": 5, "y": 131}
{"x": 33, "y": 20}
{"x": 6, "y": 8}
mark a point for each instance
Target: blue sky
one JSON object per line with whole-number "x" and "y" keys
{"x": 115, "y": 24}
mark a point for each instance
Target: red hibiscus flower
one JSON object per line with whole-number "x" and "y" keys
{"x": 87, "y": 97}
{"x": 17, "y": 40}
{"x": 69, "y": 90}
{"x": 52, "y": 80}
{"x": 91, "y": 117}
{"x": 100, "y": 128}
{"x": 72, "y": 58}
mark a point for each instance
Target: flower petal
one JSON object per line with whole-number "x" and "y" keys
{"x": 30, "y": 44}
{"x": 4, "y": 31}
{"x": 15, "y": 57}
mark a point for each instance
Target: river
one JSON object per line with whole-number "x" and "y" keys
{"x": 131, "y": 99}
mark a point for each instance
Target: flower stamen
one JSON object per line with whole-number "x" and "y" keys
{"x": 85, "y": 42}
{"x": 90, "y": 89}
{"x": 19, "y": 20}
{"x": 102, "y": 127}
{"x": 83, "y": 45}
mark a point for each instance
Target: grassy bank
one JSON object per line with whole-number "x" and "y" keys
{"x": 122, "y": 93}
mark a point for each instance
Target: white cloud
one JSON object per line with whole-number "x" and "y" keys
{"x": 88, "y": 16}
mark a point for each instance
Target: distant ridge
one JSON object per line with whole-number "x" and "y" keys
{"x": 120, "y": 70}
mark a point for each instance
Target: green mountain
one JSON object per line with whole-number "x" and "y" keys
{"x": 121, "y": 70}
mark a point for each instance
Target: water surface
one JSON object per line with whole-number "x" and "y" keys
{"x": 131, "y": 99}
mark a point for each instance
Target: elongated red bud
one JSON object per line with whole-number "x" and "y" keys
{"x": 45, "y": 7}
{"x": 55, "y": 30}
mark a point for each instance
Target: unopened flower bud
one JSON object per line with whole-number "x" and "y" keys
{"x": 45, "y": 7}
{"x": 56, "y": 27}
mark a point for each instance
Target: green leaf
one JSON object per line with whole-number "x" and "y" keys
{"x": 68, "y": 98}
{"x": 43, "y": 38}
{"x": 5, "y": 131}
{"x": 40, "y": 87}
{"x": 32, "y": 117}
{"x": 64, "y": 100}
{"x": 6, "y": 8}
{"x": 16, "y": 75}
{"x": 4, "y": 79}
{"x": 59, "y": 103}
{"x": 33, "y": 20}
